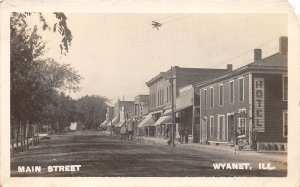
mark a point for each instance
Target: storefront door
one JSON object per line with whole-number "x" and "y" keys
{"x": 204, "y": 130}
{"x": 230, "y": 127}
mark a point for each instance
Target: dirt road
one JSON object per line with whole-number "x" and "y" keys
{"x": 106, "y": 156}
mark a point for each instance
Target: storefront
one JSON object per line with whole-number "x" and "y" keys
{"x": 146, "y": 127}
{"x": 249, "y": 100}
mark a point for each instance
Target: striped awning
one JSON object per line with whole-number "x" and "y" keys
{"x": 120, "y": 124}
{"x": 168, "y": 112}
{"x": 148, "y": 121}
{"x": 114, "y": 121}
{"x": 104, "y": 123}
{"x": 161, "y": 120}
{"x": 182, "y": 108}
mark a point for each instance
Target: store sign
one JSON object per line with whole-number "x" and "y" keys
{"x": 259, "y": 104}
{"x": 240, "y": 115}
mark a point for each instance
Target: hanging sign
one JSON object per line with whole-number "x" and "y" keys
{"x": 259, "y": 104}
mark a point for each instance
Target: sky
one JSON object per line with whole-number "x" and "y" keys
{"x": 117, "y": 53}
{"x": 296, "y": 5}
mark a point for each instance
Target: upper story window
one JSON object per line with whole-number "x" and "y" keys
{"x": 170, "y": 93}
{"x": 158, "y": 97}
{"x": 285, "y": 88}
{"x": 167, "y": 94}
{"x": 205, "y": 98}
{"x": 211, "y": 97}
{"x": 221, "y": 95}
{"x": 241, "y": 89}
{"x": 231, "y": 91}
{"x": 285, "y": 124}
{"x": 163, "y": 96}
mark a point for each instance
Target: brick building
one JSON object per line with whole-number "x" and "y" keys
{"x": 160, "y": 93}
{"x": 251, "y": 97}
{"x": 140, "y": 109}
{"x": 187, "y": 111}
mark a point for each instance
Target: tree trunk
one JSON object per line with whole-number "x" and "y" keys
{"x": 12, "y": 145}
{"x": 26, "y": 135}
{"x": 21, "y": 137}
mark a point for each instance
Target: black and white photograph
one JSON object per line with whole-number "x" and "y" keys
{"x": 149, "y": 94}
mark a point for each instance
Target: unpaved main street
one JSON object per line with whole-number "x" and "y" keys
{"x": 102, "y": 155}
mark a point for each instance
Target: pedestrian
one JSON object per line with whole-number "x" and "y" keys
{"x": 169, "y": 141}
{"x": 167, "y": 131}
{"x": 146, "y": 131}
{"x": 186, "y": 135}
{"x": 237, "y": 134}
{"x": 254, "y": 137}
{"x": 181, "y": 133}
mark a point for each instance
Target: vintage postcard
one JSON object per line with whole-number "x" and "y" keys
{"x": 153, "y": 93}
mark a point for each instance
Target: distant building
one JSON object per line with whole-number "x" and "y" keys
{"x": 140, "y": 109}
{"x": 251, "y": 97}
{"x": 122, "y": 112}
{"x": 108, "y": 118}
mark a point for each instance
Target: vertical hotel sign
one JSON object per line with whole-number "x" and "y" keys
{"x": 259, "y": 104}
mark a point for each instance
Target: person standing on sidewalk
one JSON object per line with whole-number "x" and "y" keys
{"x": 146, "y": 131}
{"x": 167, "y": 130}
{"x": 186, "y": 135}
{"x": 236, "y": 146}
{"x": 181, "y": 133}
{"x": 254, "y": 137}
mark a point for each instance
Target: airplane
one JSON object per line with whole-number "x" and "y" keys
{"x": 156, "y": 24}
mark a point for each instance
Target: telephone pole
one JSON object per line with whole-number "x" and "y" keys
{"x": 171, "y": 80}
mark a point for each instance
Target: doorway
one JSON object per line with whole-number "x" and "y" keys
{"x": 230, "y": 127}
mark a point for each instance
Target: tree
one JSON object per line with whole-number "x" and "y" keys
{"x": 36, "y": 81}
{"x": 93, "y": 109}
{"x": 19, "y": 20}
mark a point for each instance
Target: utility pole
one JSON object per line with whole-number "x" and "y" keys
{"x": 171, "y": 80}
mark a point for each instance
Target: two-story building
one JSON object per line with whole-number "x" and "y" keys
{"x": 140, "y": 109}
{"x": 251, "y": 97}
{"x": 160, "y": 93}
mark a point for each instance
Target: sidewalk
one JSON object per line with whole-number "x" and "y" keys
{"x": 221, "y": 149}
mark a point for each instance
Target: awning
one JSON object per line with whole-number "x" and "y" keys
{"x": 168, "y": 112}
{"x": 104, "y": 123}
{"x": 148, "y": 121}
{"x": 156, "y": 112}
{"x": 182, "y": 108}
{"x": 113, "y": 121}
{"x": 163, "y": 120}
{"x": 120, "y": 123}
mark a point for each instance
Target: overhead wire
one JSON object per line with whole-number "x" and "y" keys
{"x": 171, "y": 20}
{"x": 246, "y": 52}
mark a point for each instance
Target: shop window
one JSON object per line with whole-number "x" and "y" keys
{"x": 211, "y": 97}
{"x": 285, "y": 124}
{"x": 242, "y": 122}
{"x": 231, "y": 92}
{"x": 241, "y": 89}
{"x": 285, "y": 88}
{"x": 211, "y": 126}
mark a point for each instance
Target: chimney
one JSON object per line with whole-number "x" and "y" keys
{"x": 229, "y": 67}
{"x": 283, "y": 44}
{"x": 257, "y": 55}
